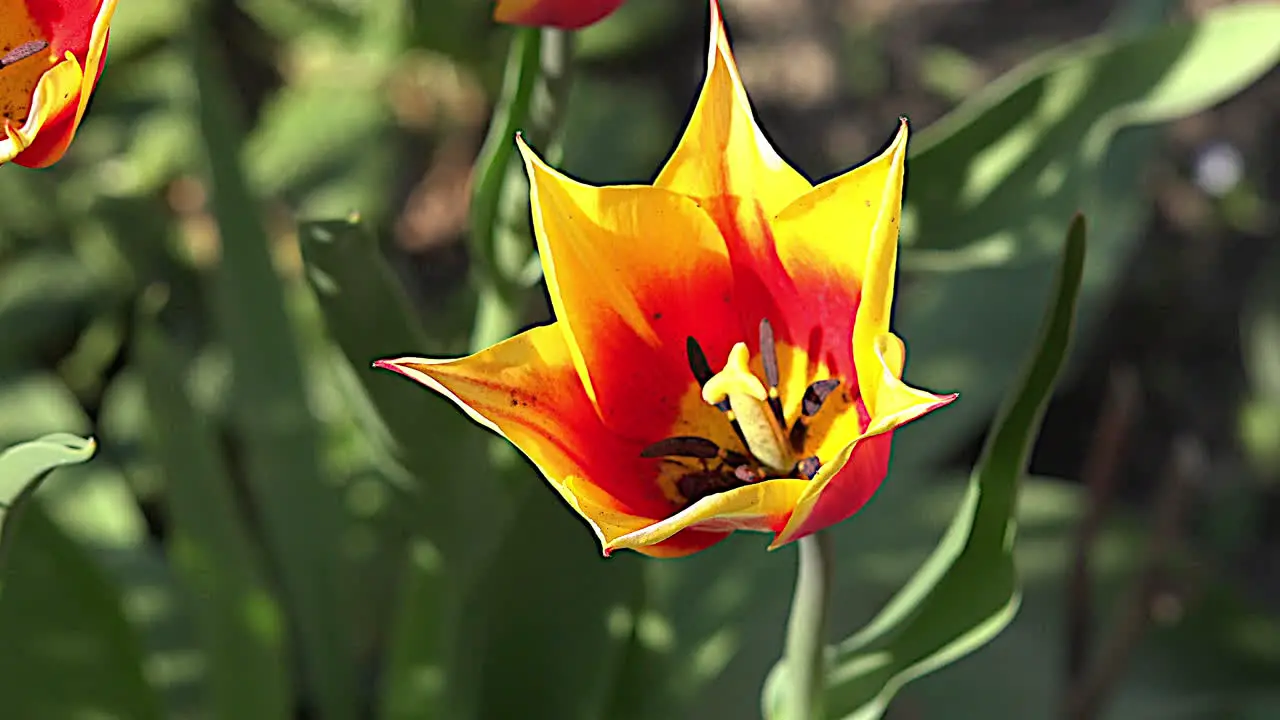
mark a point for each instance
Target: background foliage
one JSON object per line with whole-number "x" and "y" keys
{"x": 269, "y": 529}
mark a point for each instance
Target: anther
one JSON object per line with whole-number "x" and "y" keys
{"x": 814, "y": 397}
{"x": 701, "y": 368}
{"x": 769, "y": 358}
{"x": 816, "y": 394}
{"x": 22, "y": 52}
{"x": 808, "y": 467}
{"x": 682, "y": 446}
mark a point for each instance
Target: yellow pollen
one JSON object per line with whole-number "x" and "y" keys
{"x": 748, "y": 398}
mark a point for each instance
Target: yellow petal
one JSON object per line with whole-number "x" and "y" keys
{"x": 762, "y": 506}
{"x": 899, "y": 404}
{"x": 830, "y": 228}
{"x": 723, "y": 152}
{"x": 880, "y": 267}
{"x": 631, "y": 271}
{"x": 896, "y": 402}
{"x": 58, "y": 86}
{"x": 526, "y": 389}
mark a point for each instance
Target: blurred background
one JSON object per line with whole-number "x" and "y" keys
{"x": 1150, "y": 528}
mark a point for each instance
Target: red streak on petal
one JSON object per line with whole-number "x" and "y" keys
{"x": 51, "y": 142}
{"x": 852, "y": 486}
{"x": 66, "y": 24}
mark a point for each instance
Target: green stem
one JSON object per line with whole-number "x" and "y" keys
{"x": 535, "y": 89}
{"x": 805, "y": 652}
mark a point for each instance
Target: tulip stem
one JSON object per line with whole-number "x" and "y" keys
{"x": 534, "y": 92}
{"x": 805, "y": 659}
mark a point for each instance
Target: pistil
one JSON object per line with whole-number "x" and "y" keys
{"x": 749, "y": 401}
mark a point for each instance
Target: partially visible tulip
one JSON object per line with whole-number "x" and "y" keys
{"x": 565, "y": 14}
{"x": 51, "y": 55}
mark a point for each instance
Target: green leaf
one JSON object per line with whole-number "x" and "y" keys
{"x": 989, "y": 184}
{"x": 68, "y": 650}
{"x": 211, "y": 549}
{"x": 967, "y": 591}
{"x": 42, "y": 297}
{"x": 550, "y": 620}
{"x": 369, "y": 317}
{"x": 300, "y": 512}
{"x": 24, "y": 467}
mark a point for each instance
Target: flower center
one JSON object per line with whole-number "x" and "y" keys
{"x": 753, "y": 408}
{"x": 24, "y": 58}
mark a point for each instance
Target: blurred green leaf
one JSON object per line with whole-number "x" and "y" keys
{"x": 43, "y": 296}
{"x": 967, "y": 591}
{"x": 25, "y": 466}
{"x": 990, "y": 184}
{"x": 633, "y": 26}
{"x": 69, "y": 652}
{"x": 550, "y": 620}
{"x": 368, "y": 316}
{"x": 300, "y": 513}
{"x": 211, "y": 548}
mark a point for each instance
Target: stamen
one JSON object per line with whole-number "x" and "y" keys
{"x": 682, "y": 446}
{"x": 769, "y": 358}
{"x": 816, "y": 394}
{"x": 702, "y": 373}
{"x": 22, "y": 52}
{"x": 698, "y": 485}
{"x": 798, "y": 433}
{"x": 698, "y": 361}
{"x": 808, "y": 467}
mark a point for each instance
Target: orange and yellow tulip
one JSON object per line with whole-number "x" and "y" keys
{"x": 51, "y": 55}
{"x": 721, "y": 357}
{"x": 566, "y": 14}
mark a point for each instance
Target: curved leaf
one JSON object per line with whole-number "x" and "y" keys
{"x": 989, "y": 184}
{"x": 25, "y": 466}
{"x": 967, "y": 591}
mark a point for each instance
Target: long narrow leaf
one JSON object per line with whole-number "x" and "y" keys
{"x": 300, "y": 513}
{"x": 368, "y": 316}
{"x": 237, "y": 615}
{"x": 967, "y": 591}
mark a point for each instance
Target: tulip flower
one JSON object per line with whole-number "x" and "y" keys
{"x": 565, "y": 14}
{"x": 51, "y": 54}
{"x": 721, "y": 357}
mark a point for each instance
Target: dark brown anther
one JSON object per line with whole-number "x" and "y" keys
{"x": 769, "y": 358}
{"x": 733, "y": 458}
{"x": 799, "y": 432}
{"x": 697, "y": 485}
{"x": 698, "y": 361}
{"x": 22, "y": 52}
{"x": 808, "y": 467}
{"x": 701, "y": 368}
{"x": 768, "y": 353}
{"x": 816, "y": 394}
{"x": 682, "y": 446}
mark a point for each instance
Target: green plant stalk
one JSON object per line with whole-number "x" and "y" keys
{"x": 805, "y": 654}
{"x": 534, "y": 90}
{"x": 510, "y": 111}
